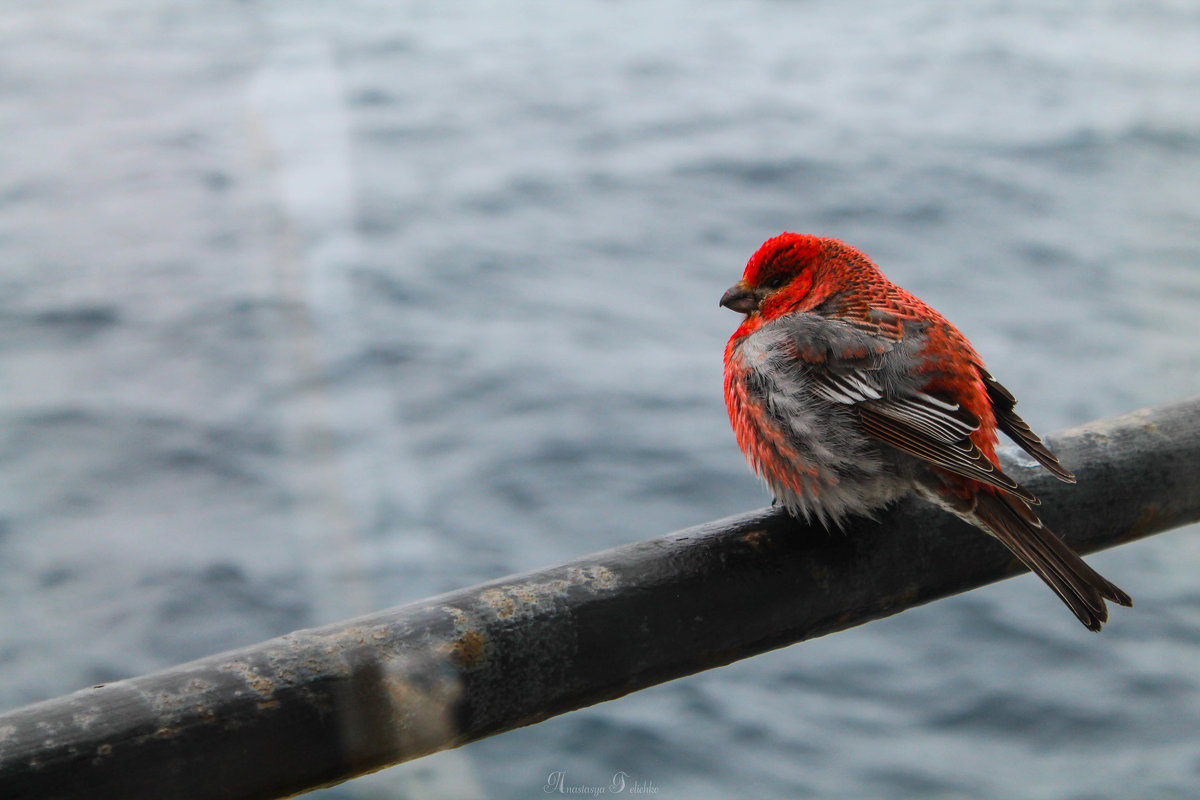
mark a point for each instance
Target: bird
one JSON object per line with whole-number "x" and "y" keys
{"x": 846, "y": 393}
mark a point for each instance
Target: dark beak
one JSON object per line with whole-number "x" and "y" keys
{"x": 741, "y": 298}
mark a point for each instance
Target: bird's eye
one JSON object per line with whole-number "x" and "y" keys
{"x": 776, "y": 282}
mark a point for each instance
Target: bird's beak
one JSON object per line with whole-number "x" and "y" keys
{"x": 741, "y": 298}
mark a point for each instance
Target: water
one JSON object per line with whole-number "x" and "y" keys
{"x": 309, "y": 309}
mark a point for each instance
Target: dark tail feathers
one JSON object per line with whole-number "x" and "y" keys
{"x": 1079, "y": 586}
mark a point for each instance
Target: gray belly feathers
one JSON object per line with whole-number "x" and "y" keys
{"x": 837, "y": 469}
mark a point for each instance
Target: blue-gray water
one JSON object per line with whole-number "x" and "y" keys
{"x": 308, "y": 309}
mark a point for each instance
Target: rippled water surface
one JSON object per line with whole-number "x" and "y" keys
{"x": 308, "y": 309}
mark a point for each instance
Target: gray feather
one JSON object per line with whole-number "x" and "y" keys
{"x": 838, "y": 391}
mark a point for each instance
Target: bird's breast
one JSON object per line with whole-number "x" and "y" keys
{"x": 809, "y": 451}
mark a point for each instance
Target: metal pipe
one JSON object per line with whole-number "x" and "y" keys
{"x": 317, "y": 707}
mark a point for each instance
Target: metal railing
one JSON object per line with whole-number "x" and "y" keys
{"x": 320, "y": 706}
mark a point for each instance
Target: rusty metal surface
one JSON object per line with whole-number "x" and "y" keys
{"x": 320, "y": 706}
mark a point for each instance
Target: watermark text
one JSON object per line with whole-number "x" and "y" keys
{"x": 557, "y": 782}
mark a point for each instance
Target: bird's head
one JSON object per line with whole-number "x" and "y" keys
{"x": 790, "y": 271}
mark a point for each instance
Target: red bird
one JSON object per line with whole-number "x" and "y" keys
{"x": 846, "y": 393}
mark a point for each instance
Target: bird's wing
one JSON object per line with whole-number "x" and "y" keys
{"x": 934, "y": 431}
{"x": 1018, "y": 430}
{"x": 870, "y": 373}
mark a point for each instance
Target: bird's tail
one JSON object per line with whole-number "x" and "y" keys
{"x": 1079, "y": 586}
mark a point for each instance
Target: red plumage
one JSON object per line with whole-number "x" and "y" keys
{"x": 847, "y": 392}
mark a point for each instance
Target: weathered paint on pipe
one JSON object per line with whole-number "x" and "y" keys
{"x": 320, "y": 706}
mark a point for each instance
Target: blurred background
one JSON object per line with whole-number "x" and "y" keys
{"x": 309, "y": 309}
